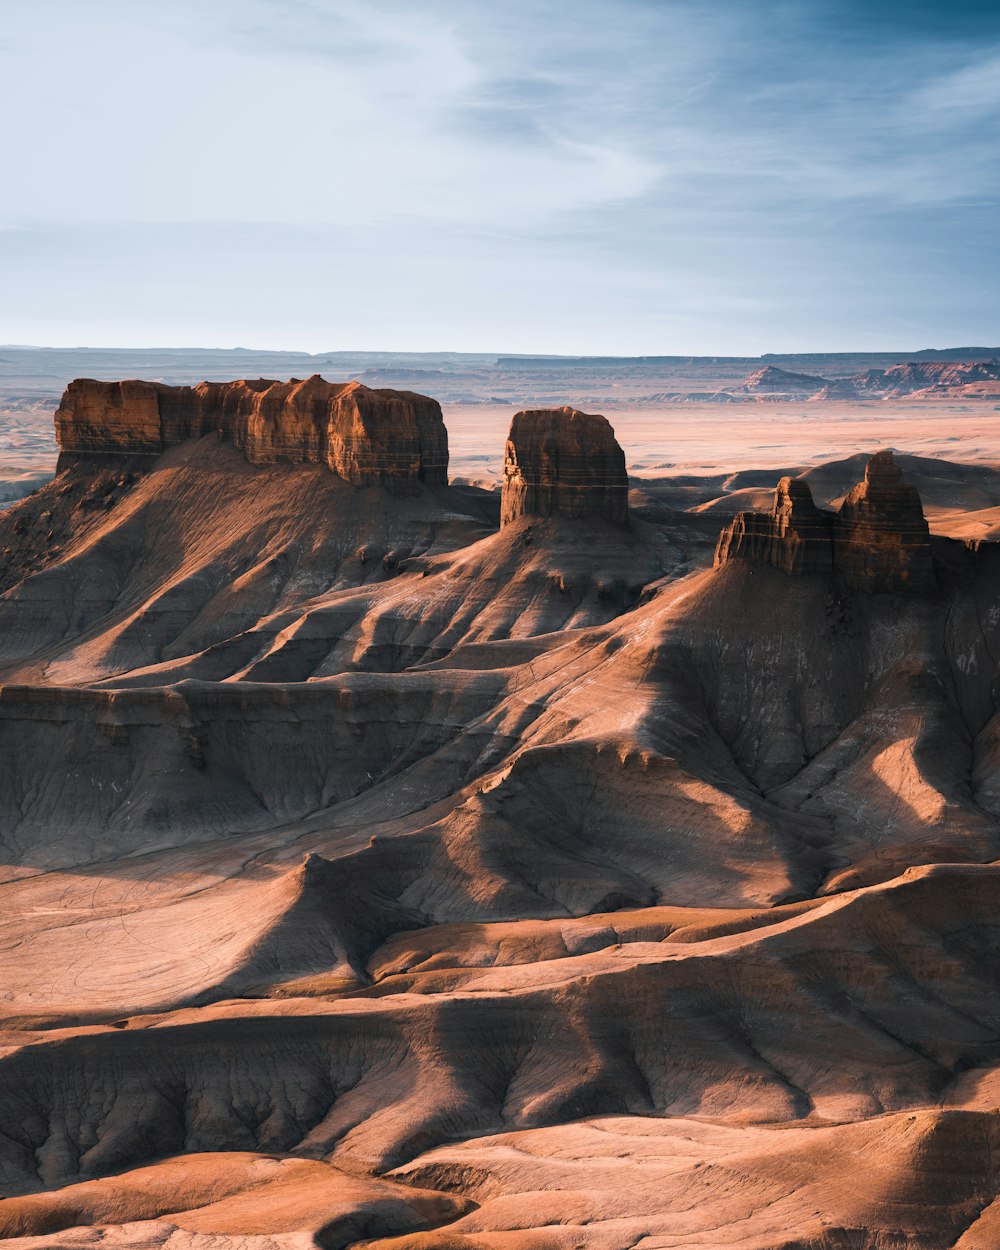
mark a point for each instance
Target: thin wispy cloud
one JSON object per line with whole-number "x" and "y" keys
{"x": 659, "y": 154}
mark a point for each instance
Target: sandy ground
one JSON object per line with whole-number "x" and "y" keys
{"x": 27, "y": 448}
{"x": 668, "y": 440}
{"x": 713, "y": 438}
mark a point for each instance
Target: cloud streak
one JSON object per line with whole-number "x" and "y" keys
{"x": 638, "y": 143}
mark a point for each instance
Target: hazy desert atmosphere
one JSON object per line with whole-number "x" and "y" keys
{"x": 426, "y": 826}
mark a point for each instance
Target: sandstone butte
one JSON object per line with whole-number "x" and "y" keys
{"x": 878, "y": 541}
{"x": 365, "y": 436}
{"x": 559, "y": 461}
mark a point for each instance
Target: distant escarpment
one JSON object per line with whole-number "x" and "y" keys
{"x": 927, "y": 378}
{"x": 365, "y": 436}
{"x": 922, "y": 379}
{"x": 878, "y": 542}
{"x": 559, "y": 461}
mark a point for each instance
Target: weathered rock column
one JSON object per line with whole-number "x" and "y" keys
{"x": 881, "y": 540}
{"x": 794, "y": 536}
{"x": 559, "y": 461}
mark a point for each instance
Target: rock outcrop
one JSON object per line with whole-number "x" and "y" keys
{"x": 931, "y": 376}
{"x": 880, "y": 536}
{"x": 559, "y": 461}
{"x": 365, "y": 436}
{"x": 878, "y": 542}
{"x": 794, "y": 536}
{"x": 774, "y": 381}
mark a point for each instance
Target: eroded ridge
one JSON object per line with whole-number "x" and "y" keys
{"x": 365, "y": 436}
{"x": 878, "y": 542}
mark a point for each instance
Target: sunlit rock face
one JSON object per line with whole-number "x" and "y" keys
{"x": 365, "y": 436}
{"x": 559, "y": 461}
{"x": 881, "y": 539}
{"x": 794, "y": 536}
{"x": 878, "y": 542}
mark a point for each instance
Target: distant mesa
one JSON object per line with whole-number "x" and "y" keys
{"x": 926, "y": 377}
{"x": 795, "y": 536}
{"x": 912, "y": 379}
{"x": 839, "y": 388}
{"x": 559, "y": 461}
{"x": 878, "y": 541}
{"x": 365, "y": 436}
{"x": 774, "y": 381}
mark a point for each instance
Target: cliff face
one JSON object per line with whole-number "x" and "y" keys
{"x": 365, "y": 436}
{"x": 878, "y": 542}
{"x": 881, "y": 540}
{"x": 912, "y": 377}
{"x": 794, "y": 536}
{"x": 561, "y": 461}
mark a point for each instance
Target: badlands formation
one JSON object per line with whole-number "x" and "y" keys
{"x": 414, "y": 866}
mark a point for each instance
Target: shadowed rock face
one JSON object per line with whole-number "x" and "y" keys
{"x": 878, "y": 542}
{"x": 881, "y": 540}
{"x": 364, "y": 436}
{"x": 561, "y": 461}
{"x": 794, "y": 536}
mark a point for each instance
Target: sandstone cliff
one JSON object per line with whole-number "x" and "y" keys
{"x": 561, "y": 461}
{"x": 878, "y": 542}
{"x": 365, "y": 436}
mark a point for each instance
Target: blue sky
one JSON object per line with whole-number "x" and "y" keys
{"x": 627, "y": 176}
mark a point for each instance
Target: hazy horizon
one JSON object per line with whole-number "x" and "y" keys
{"x": 851, "y": 350}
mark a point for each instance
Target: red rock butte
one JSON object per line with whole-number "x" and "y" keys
{"x": 878, "y": 542}
{"x": 559, "y": 461}
{"x": 365, "y": 436}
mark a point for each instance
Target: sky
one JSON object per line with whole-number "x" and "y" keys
{"x": 624, "y": 177}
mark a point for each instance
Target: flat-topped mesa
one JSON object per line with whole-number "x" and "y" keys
{"x": 878, "y": 542}
{"x": 881, "y": 540}
{"x": 559, "y": 461}
{"x": 365, "y": 436}
{"x": 794, "y": 536}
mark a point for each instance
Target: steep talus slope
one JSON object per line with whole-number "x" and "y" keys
{"x": 376, "y": 876}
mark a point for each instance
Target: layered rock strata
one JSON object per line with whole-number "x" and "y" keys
{"x": 878, "y": 542}
{"x": 559, "y": 461}
{"x": 365, "y": 436}
{"x": 794, "y": 536}
{"x": 880, "y": 537}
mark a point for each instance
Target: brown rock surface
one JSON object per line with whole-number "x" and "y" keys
{"x": 559, "y": 461}
{"x": 881, "y": 539}
{"x": 794, "y": 536}
{"x": 878, "y": 542}
{"x": 363, "y": 435}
